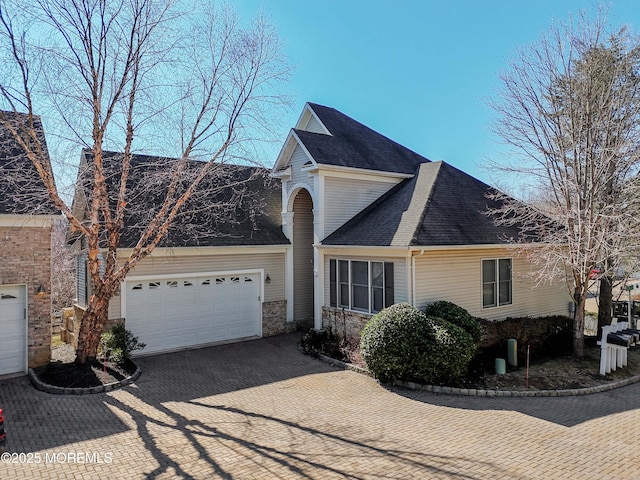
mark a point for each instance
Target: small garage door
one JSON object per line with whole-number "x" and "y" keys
{"x": 13, "y": 330}
{"x": 169, "y": 314}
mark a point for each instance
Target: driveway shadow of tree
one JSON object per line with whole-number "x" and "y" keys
{"x": 332, "y": 456}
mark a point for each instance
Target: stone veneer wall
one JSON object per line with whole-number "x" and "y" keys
{"x": 71, "y": 326}
{"x": 344, "y": 323}
{"x": 26, "y": 259}
{"x": 274, "y": 319}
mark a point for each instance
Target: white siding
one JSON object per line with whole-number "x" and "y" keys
{"x": 314, "y": 126}
{"x": 345, "y": 197}
{"x": 456, "y": 276}
{"x": 298, "y": 159}
{"x": 272, "y": 263}
{"x": 399, "y": 275}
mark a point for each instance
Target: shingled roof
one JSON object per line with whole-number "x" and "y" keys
{"x": 21, "y": 190}
{"x": 440, "y": 206}
{"x": 234, "y": 204}
{"x": 352, "y": 144}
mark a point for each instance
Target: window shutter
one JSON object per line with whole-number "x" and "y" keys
{"x": 388, "y": 284}
{"x": 333, "y": 284}
{"x": 81, "y": 280}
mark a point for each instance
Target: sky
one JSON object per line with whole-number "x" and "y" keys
{"x": 418, "y": 71}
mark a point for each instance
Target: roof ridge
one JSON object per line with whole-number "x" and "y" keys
{"x": 412, "y": 216}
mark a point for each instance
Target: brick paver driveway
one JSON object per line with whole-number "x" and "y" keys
{"x": 261, "y": 410}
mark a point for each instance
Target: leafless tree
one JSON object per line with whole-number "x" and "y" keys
{"x": 63, "y": 268}
{"x": 570, "y": 108}
{"x": 129, "y": 76}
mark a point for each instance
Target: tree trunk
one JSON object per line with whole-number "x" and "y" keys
{"x": 578, "y": 324}
{"x": 605, "y": 302}
{"x": 91, "y": 326}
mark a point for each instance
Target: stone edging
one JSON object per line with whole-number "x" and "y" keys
{"x": 472, "y": 392}
{"x": 45, "y": 387}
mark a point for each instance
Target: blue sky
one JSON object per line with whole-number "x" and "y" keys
{"x": 416, "y": 71}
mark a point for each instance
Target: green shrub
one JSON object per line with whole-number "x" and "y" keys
{"x": 119, "y": 343}
{"x": 403, "y": 343}
{"x": 457, "y": 315}
{"x": 323, "y": 341}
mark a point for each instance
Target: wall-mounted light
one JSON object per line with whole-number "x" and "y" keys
{"x": 40, "y": 291}
{"x": 267, "y": 279}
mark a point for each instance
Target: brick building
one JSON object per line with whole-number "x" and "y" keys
{"x": 26, "y": 218}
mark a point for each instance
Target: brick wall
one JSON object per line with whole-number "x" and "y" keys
{"x": 344, "y": 323}
{"x": 26, "y": 259}
{"x": 274, "y": 319}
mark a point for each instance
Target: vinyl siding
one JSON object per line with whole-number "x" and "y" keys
{"x": 345, "y": 197}
{"x": 314, "y": 126}
{"x": 456, "y": 276}
{"x": 298, "y": 159}
{"x": 302, "y": 257}
{"x": 399, "y": 275}
{"x": 272, "y": 263}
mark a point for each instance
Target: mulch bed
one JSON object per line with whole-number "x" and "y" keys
{"x": 94, "y": 374}
{"x": 63, "y": 372}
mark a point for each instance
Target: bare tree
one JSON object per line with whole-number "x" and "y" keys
{"x": 63, "y": 268}
{"x": 570, "y": 108}
{"x": 132, "y": 75}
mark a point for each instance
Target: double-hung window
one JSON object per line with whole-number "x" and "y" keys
{"x": 361, "y": 285}
{"x": 496, "y": 282}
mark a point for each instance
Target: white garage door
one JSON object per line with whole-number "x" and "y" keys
{"x": 13, "y": 330}
{"x": 169, "y": 314}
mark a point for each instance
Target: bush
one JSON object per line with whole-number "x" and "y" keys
{"x": 315, "y": 342}
{"x": 119, "y": 343}
{"x": 457, "y": 315}
{"x": 403, "y": 343}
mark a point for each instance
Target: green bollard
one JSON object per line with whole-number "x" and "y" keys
{"x": 512, "y": 352}
{"x": 501, "y": 367}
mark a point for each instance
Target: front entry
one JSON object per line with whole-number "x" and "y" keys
{"x": 303, "y": 258}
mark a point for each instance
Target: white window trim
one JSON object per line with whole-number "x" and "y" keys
{"x": 370, "y": 311}
{"x": 497, "y": 291}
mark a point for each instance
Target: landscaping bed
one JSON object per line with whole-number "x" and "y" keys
{"x": 63, "y": 372}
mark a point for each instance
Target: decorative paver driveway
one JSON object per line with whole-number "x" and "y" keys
{"x": 261, "y": 410}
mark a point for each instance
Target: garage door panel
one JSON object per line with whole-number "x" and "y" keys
{"x": 174, "y": 313}
{"x": 13, "y": 340}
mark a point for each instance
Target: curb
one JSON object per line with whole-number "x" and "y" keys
{"x": 55, "y": 390}
{"x": 472, "y": 392}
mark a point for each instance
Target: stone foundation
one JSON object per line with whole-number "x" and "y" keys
{"x": 274, "y": 319}
{"x": 346, "y": 324}
{"x": 71, "y": 326}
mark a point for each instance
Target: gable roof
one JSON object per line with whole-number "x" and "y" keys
{"x": 440, "y": 206}
{"x": 21, "y": 190}
{"x": 233, "y": 206}
{"x": 352, "y": 144}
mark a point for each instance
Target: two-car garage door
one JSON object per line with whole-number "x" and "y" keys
{"x": 13, "y": 329}
{"x": 174, "y": 313}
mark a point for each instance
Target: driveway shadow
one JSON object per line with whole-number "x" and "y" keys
{"x": 565, "y": 411}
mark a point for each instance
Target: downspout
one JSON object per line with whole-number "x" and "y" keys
{"x": 413, "y": 275}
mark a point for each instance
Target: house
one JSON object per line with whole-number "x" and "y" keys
{"x": 350, "y": 222}
{"x": 26, "y": 219}
{"x": 218, "y": 275}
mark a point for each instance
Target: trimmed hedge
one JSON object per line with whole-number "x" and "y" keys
{"x": 457, "y": 315}
{"x": 403, "y": 343}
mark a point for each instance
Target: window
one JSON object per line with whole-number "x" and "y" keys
{"x": 496, "y": 282}
{"x": 361, "y": 285}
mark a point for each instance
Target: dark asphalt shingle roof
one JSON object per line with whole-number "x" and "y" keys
{"x": 452, "y": 206}
{"x": 21, "y": 190}
{"x": 234, "y": 205}
{"x": 352, "y": 144}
